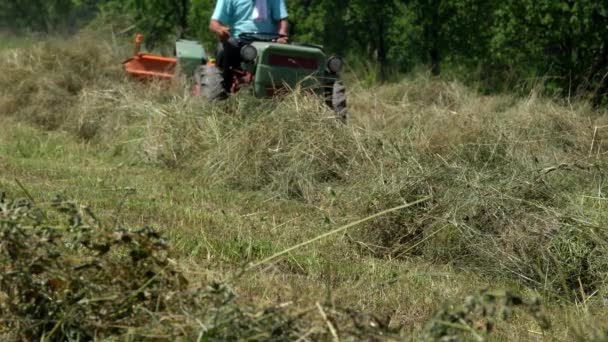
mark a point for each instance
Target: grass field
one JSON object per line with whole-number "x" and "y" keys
{"x": 511, "y": 193}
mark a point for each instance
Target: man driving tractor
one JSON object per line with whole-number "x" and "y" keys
{"x": 232, "y": 18}
{"x": 253, "y": 53}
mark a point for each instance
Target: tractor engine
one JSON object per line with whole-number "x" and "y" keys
{"x": 280, "y": 66}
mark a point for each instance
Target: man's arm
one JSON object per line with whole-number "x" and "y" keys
{"x": 284, "y": 27}
{"x": 222, "y": 31}
{"x": 283, "y": 31}
{"x": 279, "y": 13}
{"x": 221, "y": 15}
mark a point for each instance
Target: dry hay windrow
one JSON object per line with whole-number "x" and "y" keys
{"x": 514, "y": 181}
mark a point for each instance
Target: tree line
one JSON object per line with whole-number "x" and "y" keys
{"x": 494, "y": 43}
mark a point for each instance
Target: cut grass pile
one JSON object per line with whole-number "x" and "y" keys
{"x": 516, "y": 187}
{"x": 44, "y": 82}
{"x": 65, "y": 276}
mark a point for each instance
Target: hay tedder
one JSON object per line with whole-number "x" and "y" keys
{"x": 266, "y": 67}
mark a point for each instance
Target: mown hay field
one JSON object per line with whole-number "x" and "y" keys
{"x": 507, "y": 239}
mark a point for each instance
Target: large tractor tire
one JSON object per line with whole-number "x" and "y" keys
{"x": 338, "y": 100}
{"x": 212, "y": 83}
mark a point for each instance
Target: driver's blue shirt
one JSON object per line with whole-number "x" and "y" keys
{"x": 237, "y": 14}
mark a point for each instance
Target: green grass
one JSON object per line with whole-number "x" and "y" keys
{"x": 223, "y": 229}
{"x": 516, "y": 187}
{"x": 8, "y": 41}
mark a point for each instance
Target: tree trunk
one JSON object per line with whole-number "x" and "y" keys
{"x": 434, "y": 51}
{"x": 382, "y": 58}
{"x": 599, "y": 67}
{"x": 435, "y": 61}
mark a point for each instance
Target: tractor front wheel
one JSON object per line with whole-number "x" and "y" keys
{"x": 212, "y": 83}
{"x": 337, "y": 102}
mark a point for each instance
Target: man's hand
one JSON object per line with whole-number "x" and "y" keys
{"x": 283, "y": 39}
{"x": 221, "y": 31}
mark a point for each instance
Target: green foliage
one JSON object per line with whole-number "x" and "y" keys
{"x": 45, "y": 16}
{"x": 479, "y": 315}
{"x": 200, "y": 12}
{"x": 564, "y": 40}
{"x": 498, "y": 43}
{"x": 160, "y": 19}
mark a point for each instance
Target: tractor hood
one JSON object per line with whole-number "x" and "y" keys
{"x": 287, "y": 66}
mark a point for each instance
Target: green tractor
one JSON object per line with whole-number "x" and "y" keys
{"x": 267, "y": 67}
{"x": 270, "y": 68}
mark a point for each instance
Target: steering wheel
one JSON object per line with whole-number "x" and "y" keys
{"x": 261, "y": 36}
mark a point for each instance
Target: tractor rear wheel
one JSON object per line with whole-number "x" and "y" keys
{"x": 212, "y": 83}
{"x": 338, "y": 100}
